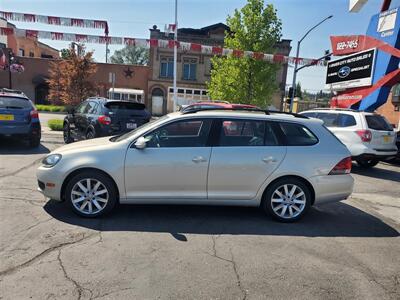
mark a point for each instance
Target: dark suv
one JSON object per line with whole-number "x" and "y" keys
{"x": 97, "y": 117}
{"x": 19, "y": 117}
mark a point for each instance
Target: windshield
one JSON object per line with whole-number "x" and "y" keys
{"x": 138, "y": 130}
{"x": 14, "y": 103}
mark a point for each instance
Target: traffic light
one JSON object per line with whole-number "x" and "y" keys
{"x": 290, "y": 95}
{"x": 327, "y": 55}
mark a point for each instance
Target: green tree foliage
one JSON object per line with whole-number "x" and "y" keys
{"x": 131, "y": 55}
{"x": 298, "y": 93}
{"x": 255, "y": 27}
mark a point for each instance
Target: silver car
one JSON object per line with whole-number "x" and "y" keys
{"x": 281, "y": 163}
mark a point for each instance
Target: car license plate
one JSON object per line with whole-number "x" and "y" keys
{"x": 131, "y": 125}
{"x": 386, "y": 139}
{"x": 6, "y": 117}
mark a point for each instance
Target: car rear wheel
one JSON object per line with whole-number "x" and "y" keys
{"x": 67, "y": 134}
{"x": 91, "y": 194}
{"x": 287, "y": 200}
{"x": 367, "y": 163}
{"x": 34, "y": 141}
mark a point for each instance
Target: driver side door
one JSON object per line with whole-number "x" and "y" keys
{"x": 173, "y": 165}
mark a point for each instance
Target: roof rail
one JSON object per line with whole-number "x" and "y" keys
{"x": 246, "y": 109}
{"x": 333, "y": 108}
{"x": 5, "y": 90}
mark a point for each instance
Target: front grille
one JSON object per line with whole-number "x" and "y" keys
{"x": 41, "y": 185}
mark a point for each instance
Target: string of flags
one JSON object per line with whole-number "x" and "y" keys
{"x": 149, "y": 43}
{"x": 52, "y": 20}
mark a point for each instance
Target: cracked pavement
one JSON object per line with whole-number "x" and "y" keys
{"x": 343, "y": 250}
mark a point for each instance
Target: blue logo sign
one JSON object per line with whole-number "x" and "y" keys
{"x": 344, "y": 72}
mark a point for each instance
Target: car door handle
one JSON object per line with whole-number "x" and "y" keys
{"x": 198, "y": 159}
{"x": 269, "y": 159}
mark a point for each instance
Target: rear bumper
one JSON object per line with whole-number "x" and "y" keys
{"x": 332, "y": 188}
{"x": 20, "y": 130}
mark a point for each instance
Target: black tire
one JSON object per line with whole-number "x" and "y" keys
{"x": 67, "y": 134}
{"x": 90, "y": 134}
{"x": 366, "y": 164}
{"x": 34, "y": 141}
{"x": 105, "y": 181}
{"x": 267, "y": 203}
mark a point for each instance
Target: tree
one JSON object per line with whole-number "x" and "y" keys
{"x": 254, "y": 28}
{"x": 298, "y": 90}
{"x": 69, "y": 81}
{"x": 65, "y": 53}
{"x": 131, "y": 55}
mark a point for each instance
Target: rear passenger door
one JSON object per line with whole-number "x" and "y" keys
{"x": 245, "y": 154}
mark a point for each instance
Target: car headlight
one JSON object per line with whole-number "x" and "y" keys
{"x": 51, "y": 160}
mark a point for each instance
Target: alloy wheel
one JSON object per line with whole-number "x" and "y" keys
{"x": 288, "y": 201}
{"x": 89, "y": 196}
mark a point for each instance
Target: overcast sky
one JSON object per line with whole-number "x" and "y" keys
{"x": 133, "y": 18}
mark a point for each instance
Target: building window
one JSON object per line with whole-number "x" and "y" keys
{"x": 189, "y": 69}
{"x": 167, "y": 67}
{"x": 21, "y": 52}
{"x": 31, "y": 54}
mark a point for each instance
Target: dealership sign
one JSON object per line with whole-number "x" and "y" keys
{"x": 351, "y": 71}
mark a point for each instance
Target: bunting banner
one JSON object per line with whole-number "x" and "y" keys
{"x": 151, "y": 43}
{"x": 52, "y": 20}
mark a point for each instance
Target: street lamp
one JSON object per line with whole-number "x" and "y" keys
{"x": 297, "y": 58}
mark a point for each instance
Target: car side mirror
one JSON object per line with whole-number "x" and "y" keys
{"x": 140, "y": 143}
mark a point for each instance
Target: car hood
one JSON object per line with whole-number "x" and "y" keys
{"x": 97, "y": 143}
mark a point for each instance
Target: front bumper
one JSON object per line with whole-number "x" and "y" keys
{"x": 50, "y": 182}
{"x": 332, "y": 188}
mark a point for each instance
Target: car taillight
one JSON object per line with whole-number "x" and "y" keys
{"x": 365, "y": 135}
{"x": 104, "y": 120}
{"x": 342, "y": 167}
{"x": 34, "y": 114}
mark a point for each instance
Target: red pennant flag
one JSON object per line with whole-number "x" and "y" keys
{"x": 171, "y": 43}
{"x": 29, "y": 18}
{"x": 153, "y": 43}
{"x": 195, "y": 47}
{"x": 81, "y": 37}
{"x": 278, "y": 58}
{"x": 77, "y": 22}
{"x": 57, "y": 35}
{"x": 129, "y": 41}
{"x": 258, "y": 55}
{"x": 31, "y": 33}
{"x": 238, "y": 53}
{"x": 54, "y": 20}
{"x": 6, "y": 31}
{"x": 104, "y": 39}
{"x": 217, "y": 50}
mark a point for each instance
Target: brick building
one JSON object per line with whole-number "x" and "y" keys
{"x": 193, "y": 68}
{"x": 391, "y": 109}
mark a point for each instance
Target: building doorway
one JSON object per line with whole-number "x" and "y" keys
{"x": 42, "y": 93}
{"x": 157, "y": 102}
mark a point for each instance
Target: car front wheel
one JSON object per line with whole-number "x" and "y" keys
{"x": 367, "y": 163}
{"x": 91, "y": 194}
{"x": 67, "y": 134}
{"x": 287, "y": 200}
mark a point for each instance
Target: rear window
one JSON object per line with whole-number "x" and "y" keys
{"x": 14, "y": 103}
{"x": 377, "y": 122}
{"x": 114, "y": 106}
{"x": 328, "y": 119}
{"x": 345, "y": 120}
{"x": 298, "y": 135}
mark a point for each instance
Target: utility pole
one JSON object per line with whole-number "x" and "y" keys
{"x": 107, "y": 52}
{"x": 175, "y": 53}
{"x": 297, "y": 60}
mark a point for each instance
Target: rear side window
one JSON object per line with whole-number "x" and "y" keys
{"x": 242, "y": 133}
{"x": 116, "y": 106}
{"x": 297, "y": 135}
{"x": 345, "y": 120}
{"x": 329, "y": 119}
{"x": 14, "y": 103}
{"x": 310, "y": 114}
{"x": 377, "y": 122}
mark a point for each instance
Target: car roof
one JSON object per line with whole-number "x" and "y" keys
{"x": 222, "y": 104}
{"x": 338, "y": 110}
{"x": 13, "y": 95}
{"x": 243, "y": 114}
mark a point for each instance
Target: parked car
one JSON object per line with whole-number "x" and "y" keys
{"x": 215, "y": 104}
{"x": 99, "y": 117}
{"x": 281, "y": 163}
{"x": 368, "y": 136}
{"x": 19, "y": 117}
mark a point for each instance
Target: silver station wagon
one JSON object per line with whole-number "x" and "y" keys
{"x": 283, "y": 163}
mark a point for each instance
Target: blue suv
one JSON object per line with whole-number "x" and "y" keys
{"x": 19, "y": 117}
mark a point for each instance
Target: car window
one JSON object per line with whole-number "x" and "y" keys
{"x": 310, "y": 114}
{"x": 329, "y": 119}
{"x": 378, "y": 122}
{"x": 236, "y": 133}
{"x": 15, "y": 103}
{"x": 184, "y": 133}
{"x": 345, "y": 120}
{"x": 81, "y": 108}
{"x": 91, "y": 108}
{"x": 297, "y": 135}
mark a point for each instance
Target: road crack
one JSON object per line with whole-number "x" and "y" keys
{"x": 42, "y": 254}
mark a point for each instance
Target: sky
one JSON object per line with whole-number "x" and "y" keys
{"x": 134, "y": 18}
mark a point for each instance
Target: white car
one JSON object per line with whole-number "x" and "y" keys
{"x": 368, "y": 136}
{"x": 283, "y": 163}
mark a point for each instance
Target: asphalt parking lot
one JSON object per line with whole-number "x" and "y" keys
{"x": 349, "y": 249}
